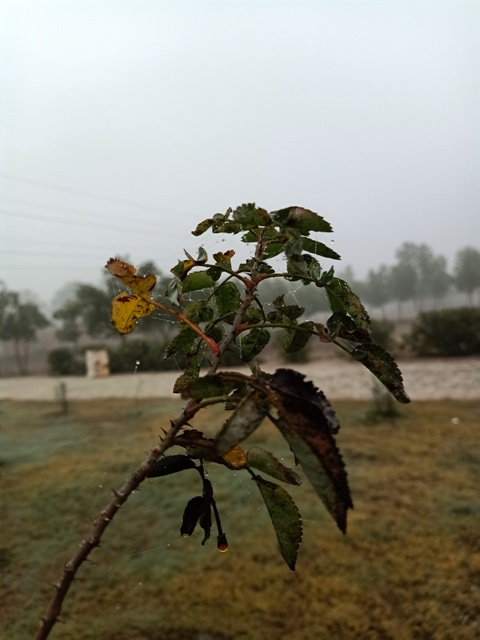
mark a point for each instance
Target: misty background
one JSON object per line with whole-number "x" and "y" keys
{"x": 123, "y": 124}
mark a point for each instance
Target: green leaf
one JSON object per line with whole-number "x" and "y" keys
{"x": 302, "y": 219}
{"x": 215, "y": 273}
{"x": 246, "y": 417}
{"x": 203, "y": 226}
{"x": 293, "y": 248}
{"x": 253, "y": 343}
{"x": 342, "y": 299}
{"x": 249, "y": 216}
{"x": 211, "y": 387}
{"x": 229, "y": 226}
{"x": 285, "y": 518}
{"x": 297, "y": 266}
{"x": 215, "y": 331}
{"x": 290, "y": 311}
{"x": 182, "y": 343}
{"x": 297, "y": 337}
{"x": 342, "y": 326}
{"x": 264, "y": 461}
{"x": 307, "y": 421}
{"x": 319, "y": 249}
{"x": 273, "y": 249}
{"x": 198, "y": 311}
{"x": 196, "y": 281}
{"x": 227, "y": 297}
{"x": 384, "y": 367}
{"x": 252, "y": 316}
{"x": 190, "y": 374}
{"x": 326, "y": 277}
{"x": 259, "y": 265}
{"x": 314, "y": 270}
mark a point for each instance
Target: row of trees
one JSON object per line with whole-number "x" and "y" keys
{"x": 418, "y": 275}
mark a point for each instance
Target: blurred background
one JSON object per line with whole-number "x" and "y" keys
{"x": 124, "y": 124}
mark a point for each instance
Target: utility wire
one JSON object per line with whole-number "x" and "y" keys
{"x": 90, "y": 214}
{"x": 81, "y": 192}
{"x": 78, "y": 223}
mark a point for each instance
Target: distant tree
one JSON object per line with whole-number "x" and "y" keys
{"x": 70, "y": 315}
{"x": 439, "y": 280}
{"x": 431, "y": 279}
{"x": 377, "y": 289}
{"x": 403, "y": 283}
{"x": 467, "y": 271}
{"x": 19, "y": 323}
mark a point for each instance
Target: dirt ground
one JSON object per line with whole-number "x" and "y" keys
{"x": 424, "y": 380}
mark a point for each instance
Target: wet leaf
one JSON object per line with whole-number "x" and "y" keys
{"x": 302, "y": 219}
{"x": 198, "y": 311}
{"x": 196, "y": 281}
{"x": 203, "y": 226}
{"x": 285, "y": 518}
{"x": 252, "y": 316}
{"x": 253, "y": 343}
{"x": 170, "y": 464}
{"x": 215, "y": 331}
{"x": 319, "y": 249}
{"x": 384, "y": 367}
{"x": 127, "y": 274}
{"x": 273, "y": 249}
{"x": 307, "y": 421}
{"x": 297, "y": 337}
{"x": 127, "y": 308}
{"x": 190, "y": 374}
{"x": 249, "y": 216}
{"x": 342, "y": 326}
{"x": 343, "y": 300}
{"x": 290, "y": 311}
{"x": 195, "y": 509}
{"x": 246, "y": 417}
{"x": 264, "y": 461}
{"x": 227, "y": 297}
{"x": 211, "y": 387}
{"x": 181, "y": 343}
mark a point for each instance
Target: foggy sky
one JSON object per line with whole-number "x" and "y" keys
{"x": 123, "y": 124}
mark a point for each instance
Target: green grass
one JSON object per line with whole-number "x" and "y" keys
{"x": 408, "y": 568}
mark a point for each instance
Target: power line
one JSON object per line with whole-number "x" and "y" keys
{"x": 78, "y": 223}
{"x": 48, "y": 254}
{"x": 90, "y": 214}
{"x": 81, "y": 192}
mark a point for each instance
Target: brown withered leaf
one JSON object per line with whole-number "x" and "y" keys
{"x": 307, "y": 421}
{"x": 127, "y": 274}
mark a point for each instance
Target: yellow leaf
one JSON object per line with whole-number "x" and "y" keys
{"x": 127, "y": 274}
{"x": 236, "y": 458}
{"x": 127, "y": 308}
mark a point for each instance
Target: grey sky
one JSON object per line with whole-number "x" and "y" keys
{"x": 366, "y": 112}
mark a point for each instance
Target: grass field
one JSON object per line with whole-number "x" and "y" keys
{"x": 408, "y": 568}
